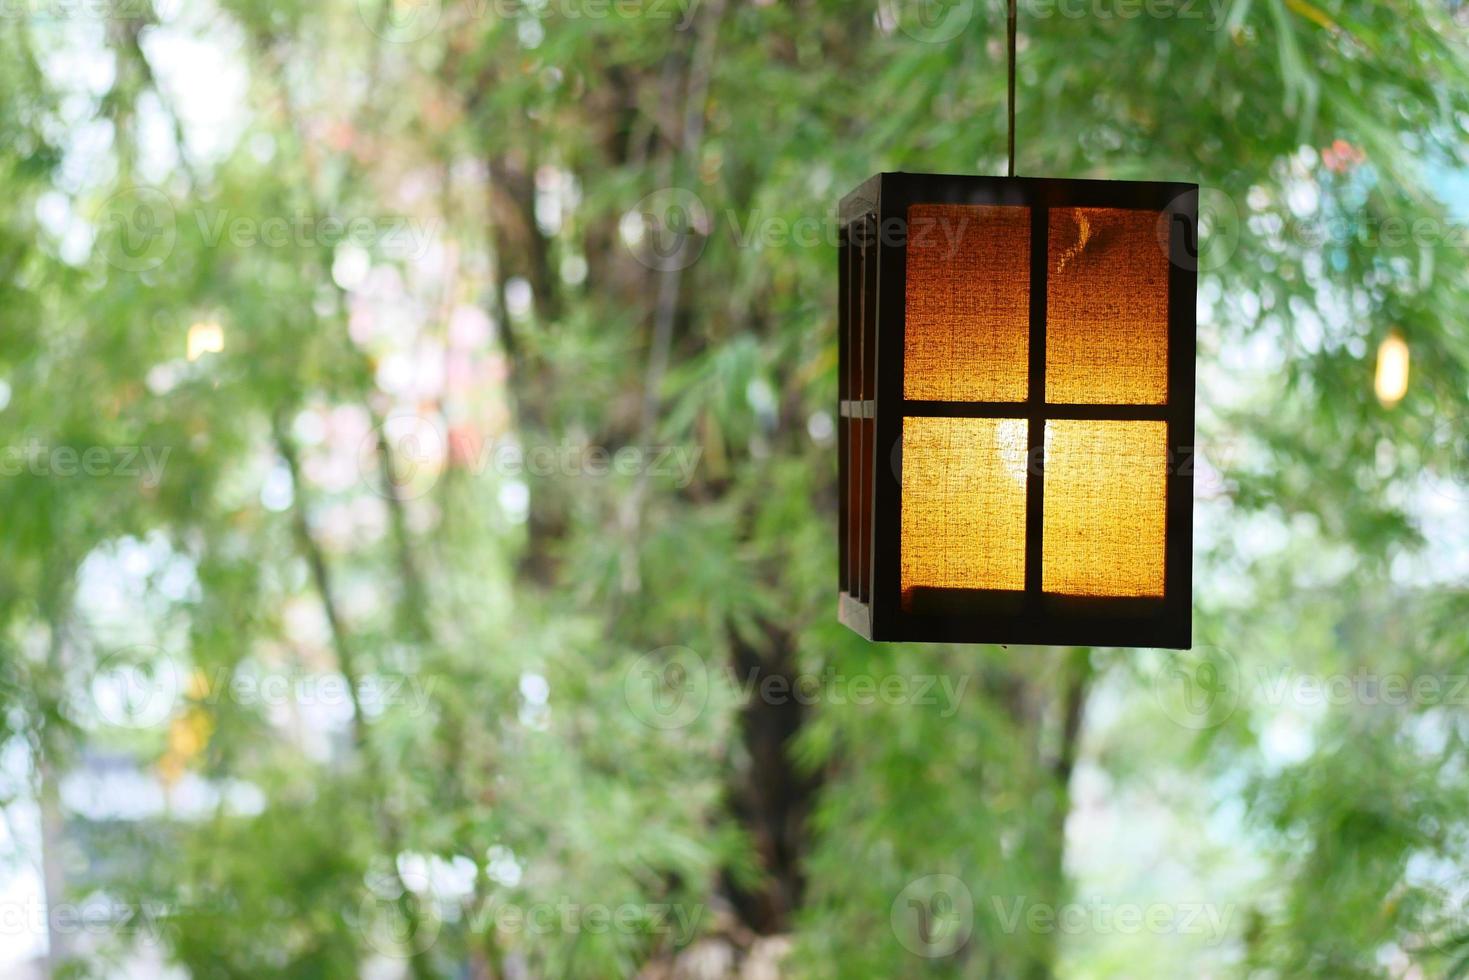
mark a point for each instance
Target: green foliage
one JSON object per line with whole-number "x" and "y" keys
{"x": 429, "y": 676}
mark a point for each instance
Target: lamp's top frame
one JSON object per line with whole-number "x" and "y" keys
{"x": 898, "y": 189}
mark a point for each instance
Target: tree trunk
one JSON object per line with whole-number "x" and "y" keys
{"x": 769, "y": 796}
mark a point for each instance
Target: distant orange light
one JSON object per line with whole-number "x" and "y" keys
{"x": 1391, "y": 382}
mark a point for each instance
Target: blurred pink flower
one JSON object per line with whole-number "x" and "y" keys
{"x": 1341, "y": 156}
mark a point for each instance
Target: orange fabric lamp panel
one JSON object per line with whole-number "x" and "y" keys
{"x": 967, "y": 328}
{"x": 963, "y": 504}
{"x": 1105, "y": 507}
{"x": 1106, "y": 308}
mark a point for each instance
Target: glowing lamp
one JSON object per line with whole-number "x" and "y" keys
{"x": 1016, "y": 399}
{"x": 1391, "y": 381}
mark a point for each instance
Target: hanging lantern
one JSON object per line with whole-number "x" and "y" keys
{"x": 1017, "y": 410}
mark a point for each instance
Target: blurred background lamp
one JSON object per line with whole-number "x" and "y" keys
{"x": 1016, "y": 360}
{"x": 205, "y": 337}
{"x": 1391, "y": 383}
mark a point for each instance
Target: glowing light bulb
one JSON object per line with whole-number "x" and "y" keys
{"x": 205, "y": 337}
{"x": 1391, "y": 383}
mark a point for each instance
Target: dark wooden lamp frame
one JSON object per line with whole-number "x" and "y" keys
{"x": 871, "y": 407}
